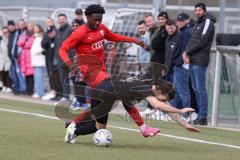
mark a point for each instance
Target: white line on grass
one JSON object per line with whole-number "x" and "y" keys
{"x": 128, "y": 129}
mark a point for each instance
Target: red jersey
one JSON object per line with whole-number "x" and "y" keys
{"x": 90, "y": 53}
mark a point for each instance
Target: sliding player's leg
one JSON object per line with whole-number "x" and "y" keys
{"x": 85, "y": 128}
{"x": 89, "y": 121}
{"x": 135, "y": 115}
{"x": 91, "y": 126}
{"x": 98, "y": 117}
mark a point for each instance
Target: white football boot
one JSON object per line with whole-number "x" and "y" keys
{"x": 70, "y": 136}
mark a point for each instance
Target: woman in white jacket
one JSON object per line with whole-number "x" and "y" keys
{"x": 4, "y": 61}
{"x": 38, "y": 62}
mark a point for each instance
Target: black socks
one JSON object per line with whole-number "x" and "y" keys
{"x": 87, "y": 128}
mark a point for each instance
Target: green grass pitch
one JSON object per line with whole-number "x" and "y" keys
{"x": 27, "y": 137}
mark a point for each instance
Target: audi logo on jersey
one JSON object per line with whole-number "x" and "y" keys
{"x": 97, "y": 45}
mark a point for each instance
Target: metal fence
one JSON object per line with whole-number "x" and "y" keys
{"x": 38, "y": 15}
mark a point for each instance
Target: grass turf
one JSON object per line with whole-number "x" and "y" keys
{"x": 26, "y": 137}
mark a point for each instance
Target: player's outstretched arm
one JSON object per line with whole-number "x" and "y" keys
{"x": 177, "y": 117}
{"x": 142, "y": 44}
{"x": 109, "y": 35}
{"x": 166, "y": 107}
{"x": 174, "y": 113}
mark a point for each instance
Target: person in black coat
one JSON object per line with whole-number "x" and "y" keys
{"x": 172, "y": 48}
{"x": 18, "y": 80}
{"x": 54, "y": 77}
{"x": 197, "y": 54}
{"x": 158, "y": 39}
{"x": 158, "y": 36}
{"x": 62, "y": 34}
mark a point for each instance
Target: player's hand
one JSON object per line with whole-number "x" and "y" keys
{"x": 186, "y": 58}
{"x": 191, "y": 128}
{"x": 73, "y": 67}
{"x": 141, "y": 43}
{"x": 185, "y": 110}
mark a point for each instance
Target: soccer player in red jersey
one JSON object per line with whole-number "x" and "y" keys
{"x": 88, "y": 40}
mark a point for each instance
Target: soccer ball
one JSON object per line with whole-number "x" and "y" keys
{"x": 103, "y": 138}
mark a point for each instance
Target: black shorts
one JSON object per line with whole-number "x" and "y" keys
{"x": 108, "y": 91}
{"x": 102, "y": 100}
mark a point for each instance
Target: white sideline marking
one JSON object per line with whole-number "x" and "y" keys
{"x": 128, "y": 129}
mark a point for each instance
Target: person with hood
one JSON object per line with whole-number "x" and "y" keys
{"x": 197, "y": 54}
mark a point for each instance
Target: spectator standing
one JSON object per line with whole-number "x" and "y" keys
{"x": 79, "y": 16}
{"x": 25, "y": 43}
{"x": 144, "y": 55}
{"x": 62, "y": 33}
{"x": 172, "y": 48}
{"x": 49, "y": 49}
{"x": 181, "y": 75}
{"x": 80, "y": 101}
{"x": 17, "y": 77}
{"x": 38, "y": 62}
{"x": 158, "y": 37}
{"x": 49, "y": 23}
{"x": 153, "y": 29}
{"x": 5, "y": 61}
{"x": 197, "y": 54}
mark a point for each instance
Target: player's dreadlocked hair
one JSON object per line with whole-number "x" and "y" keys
{"x": 95, "y": 8}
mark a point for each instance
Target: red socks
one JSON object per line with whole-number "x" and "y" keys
{"x": 133, "y": 112}
{"x": 135, "y": 115}
{"x": 84, "y": 116}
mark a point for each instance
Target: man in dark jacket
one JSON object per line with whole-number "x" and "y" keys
{"x": 62, "y": 33}
{"x": 19, "y": 86}
{"x": 54, "y": 77}
{"x": 49, "y": 46}
{"x": 172, "y": 48}
{"x": 197, "y": 54}
{"x": 158, "y": 39}
{"x": 181, "y": 74}
{"x": 158, "y": 36}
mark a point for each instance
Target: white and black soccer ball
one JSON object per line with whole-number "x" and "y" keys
{"x": 103, "y": 138}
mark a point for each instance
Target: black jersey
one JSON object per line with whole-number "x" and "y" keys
{"x": 133, "y": 88}
{"x": 138, "y": 89}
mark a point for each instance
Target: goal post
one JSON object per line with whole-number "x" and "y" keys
{"x": 230, "y": 54}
